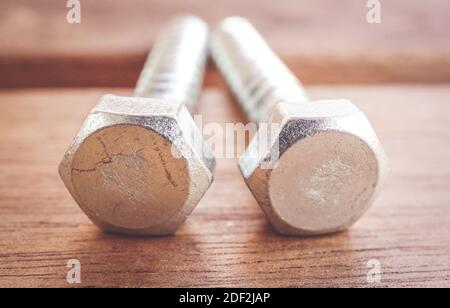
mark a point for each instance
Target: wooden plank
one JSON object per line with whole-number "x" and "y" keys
{"x": 323, "y": 41}
{"x": 227, "y": 241}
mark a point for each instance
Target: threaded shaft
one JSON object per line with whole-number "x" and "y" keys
{"x": 175, "y": 67}
{"x": 257, "y": 77}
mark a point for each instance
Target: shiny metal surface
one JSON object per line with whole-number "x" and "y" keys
{"x": 330, "y": 164}
{"x": 139, "y": 164}
{"x": 174, "y": 69}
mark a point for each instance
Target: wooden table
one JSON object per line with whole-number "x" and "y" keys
{"x": 227, "y": 241}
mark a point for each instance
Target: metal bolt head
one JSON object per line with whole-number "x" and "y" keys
{"x": 330, "y": 167}
{"x": 138, "y": 165}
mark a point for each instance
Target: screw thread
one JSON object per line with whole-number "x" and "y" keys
{"x": 174, "y": 69}
{"x": 256, "y": 75}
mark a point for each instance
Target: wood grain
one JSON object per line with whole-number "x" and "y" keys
{"x": 323, "y": 41}
{"x": 227, "y": 241}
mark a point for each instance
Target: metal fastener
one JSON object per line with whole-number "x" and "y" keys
{"x": 330, "y": 163}
{"x": 139, "y": 164}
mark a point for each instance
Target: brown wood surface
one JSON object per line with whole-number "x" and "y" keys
{"x": 227, "y": 241}
{"x": 323, "y": 41}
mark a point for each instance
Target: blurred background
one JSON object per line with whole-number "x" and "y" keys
{"x": 323, "y": 41}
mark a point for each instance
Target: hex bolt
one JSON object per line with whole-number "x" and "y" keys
{"x": 139, "y": 164}
{"x": 330, "y": 164}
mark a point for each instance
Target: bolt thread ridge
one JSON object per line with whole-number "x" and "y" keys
{"x": 174, "y": 69}
{"x": 256, "y": 75}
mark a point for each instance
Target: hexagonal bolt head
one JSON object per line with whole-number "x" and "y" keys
{"x": 330, "y": 168}
{"x": 138, "y": 165}
{"x": 316, "y": 167}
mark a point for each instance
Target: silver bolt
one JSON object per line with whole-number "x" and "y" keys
{"x": 330, "y": 163}
{"x": 139, "y": 164}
